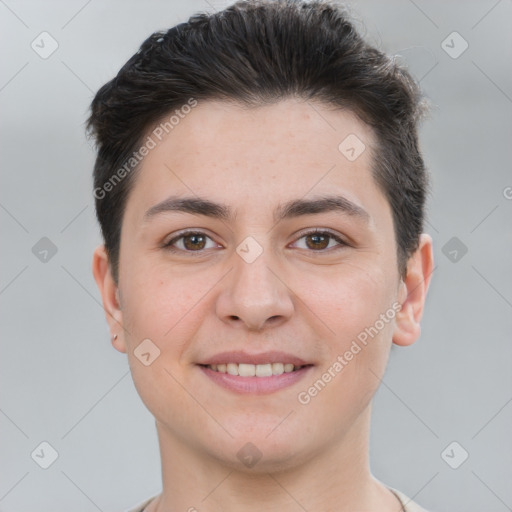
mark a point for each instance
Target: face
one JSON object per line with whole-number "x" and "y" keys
{"x": 283, "y": 255}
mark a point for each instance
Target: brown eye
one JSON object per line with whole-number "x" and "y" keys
{"x": 321, "y": 241}
{"x": 194, "y": 242}
{"x": 318, "y": 241}
{"x": 190, "y": 241}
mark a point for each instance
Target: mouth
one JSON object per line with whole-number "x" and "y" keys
{"x": 244, "y": 373}
{"x": 254, "y": 370}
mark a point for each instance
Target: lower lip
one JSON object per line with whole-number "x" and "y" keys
{"x": 255, "y": 385}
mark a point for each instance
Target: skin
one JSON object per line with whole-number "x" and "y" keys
{"x": 307, "y": 301}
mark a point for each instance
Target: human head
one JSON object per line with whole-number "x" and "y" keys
{"x": 240, "y": 160}
{"x": 257, "y": 53}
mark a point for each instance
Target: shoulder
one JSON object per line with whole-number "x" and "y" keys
{"x": 141, "y": 506}
{"x": 407, "y": 503}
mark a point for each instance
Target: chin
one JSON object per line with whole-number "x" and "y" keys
{"x": 257, "y": 452}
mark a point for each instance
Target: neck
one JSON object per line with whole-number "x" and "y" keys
{"x": 336, "y": 478}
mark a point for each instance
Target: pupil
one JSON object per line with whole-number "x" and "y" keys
{"x": 316, "y": 239}
{"x": 194, "y": 241}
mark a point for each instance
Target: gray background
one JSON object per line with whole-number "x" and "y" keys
{"x": 62, "y": 382}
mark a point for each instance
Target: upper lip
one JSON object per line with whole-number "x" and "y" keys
{"x": 261, "y": 358}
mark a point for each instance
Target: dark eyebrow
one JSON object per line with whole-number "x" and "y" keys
{"x": 291, "y": 209}
{"x": 193, "y": 205}
{"x": 321, "y": 204}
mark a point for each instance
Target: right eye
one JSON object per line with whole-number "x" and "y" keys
{"x": 189, "y": 241}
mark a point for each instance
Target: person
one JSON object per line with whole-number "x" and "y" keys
{"x": 261, "y": 193}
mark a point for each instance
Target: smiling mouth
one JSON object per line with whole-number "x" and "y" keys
{"x": 254, "y": 370}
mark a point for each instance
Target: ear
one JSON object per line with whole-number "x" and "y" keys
{"x": 413, "y": 292}
{"x": 109, "y": 290}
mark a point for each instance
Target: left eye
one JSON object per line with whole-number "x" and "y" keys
{"x": 321, "y": 240}
{"x": 190, "y": 241}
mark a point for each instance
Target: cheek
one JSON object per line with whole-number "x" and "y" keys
{"x": 358, "y": 307}
{"x": 164, "y": 303}
{"x": 348, "y": 301}
{"x": 164, "y": 307}
{"x": 355, "y": 306}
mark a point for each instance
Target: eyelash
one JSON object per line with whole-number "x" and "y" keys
{"x": 169, "y": 245}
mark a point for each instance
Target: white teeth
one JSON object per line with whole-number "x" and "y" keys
{"x": 277, "y": 368}
{"x": 263, "y": 370}
{"x": 252, "y": 370}
{"x": 247, "y": 370}
{"x": 232, "y": 369}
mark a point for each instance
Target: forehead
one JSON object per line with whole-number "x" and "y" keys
{"x": 287, "y": 128}
{"x": 241, "y": 155}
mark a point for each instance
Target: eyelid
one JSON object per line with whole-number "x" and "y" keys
{"x": 311, "y": 231}
{"x": 181, "y": 234}
{"x": 342, "y": 242}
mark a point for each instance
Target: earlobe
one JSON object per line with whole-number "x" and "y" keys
{"x": 109, "y": 291}
{"x": 413, "y": 292}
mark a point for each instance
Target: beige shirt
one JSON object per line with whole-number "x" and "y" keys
{"x": 407, "y": 504}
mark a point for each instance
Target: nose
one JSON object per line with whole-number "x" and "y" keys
{"x": 255, "y": 295}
